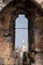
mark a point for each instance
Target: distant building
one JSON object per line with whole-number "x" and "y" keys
{"x": 24, "y": 46}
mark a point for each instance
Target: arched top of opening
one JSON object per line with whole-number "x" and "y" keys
{"x": 16, "y": 4}
{"x": 21, "y": 21}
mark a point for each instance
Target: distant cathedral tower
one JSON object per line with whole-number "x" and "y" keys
{"x": 24, "y": 46}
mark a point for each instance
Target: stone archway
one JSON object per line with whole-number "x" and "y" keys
{"x": 8, "y": 17}
{"x": 30, "y": 26}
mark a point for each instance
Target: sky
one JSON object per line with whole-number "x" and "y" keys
{"x": 21, "y": 32}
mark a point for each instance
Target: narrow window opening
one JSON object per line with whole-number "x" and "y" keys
{"x": 21, "y": 32}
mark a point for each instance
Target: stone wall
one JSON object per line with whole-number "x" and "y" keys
{"x": 6, "y": 17}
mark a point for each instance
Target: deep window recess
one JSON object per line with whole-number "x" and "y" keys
{"x": 21, "y": 31}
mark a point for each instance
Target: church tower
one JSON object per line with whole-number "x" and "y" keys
{"x": 24, "y": 46}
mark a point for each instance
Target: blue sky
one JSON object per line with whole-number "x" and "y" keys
{"x": 21, "y": 34}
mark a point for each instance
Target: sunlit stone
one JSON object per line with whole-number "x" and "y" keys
{"x": 2, "y": 5}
